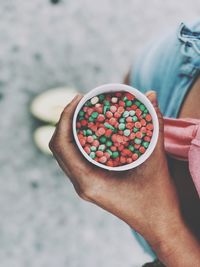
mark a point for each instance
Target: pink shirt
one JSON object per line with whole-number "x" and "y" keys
{"x": 182, "y": 141}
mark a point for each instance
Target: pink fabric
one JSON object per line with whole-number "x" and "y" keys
{"x": 182, "y": 141}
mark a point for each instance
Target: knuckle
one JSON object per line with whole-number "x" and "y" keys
{"x": 55, "y": 146}
{"x": 65, "y": 111}
{"x": 86, "y": 193}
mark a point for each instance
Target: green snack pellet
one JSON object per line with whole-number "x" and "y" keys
{"x": 145, "y": 144}
{"x": 127, "y": 132}
{"x": 135, "y": 118}
{"x": 101, "y": 97}
{"x": 95, "y": 115}
{"x": 81, "y": 113}
{"x": 81, "y": 118}
{"x": 92, "y": 155}
{"x": 93, "y": 148}
{"x": 109, "y": 126}
{"x": 137, "y": 141}
{"x": 125, "y": 98}
{"x": 88, "y": 132}
{"x": 103, "y": 139}
{"x": 91, "y": 119}
{"x": 142, "y": 107}
{"x": 132, "y": 113}
{"x": 106, "y": 103}
{"x": 122, "y": 126}
{"x": 128, "y": 103}
{"x": 122, "y": 120}
{"x": 135, "y": 130}
{"x": 102, "y": 147}
{"x": 94, "y": 137}
{"x": 109, "y": 151}
{"x": 105, "y": 108}
{"x": 146, "y": 110}
{"x": 84, "y": 132}
{"x": 144, "y": 115}
{"x": 109, "y": 143}
{"x": 115, "y": 154}
{"x": 137, "y": 103}
{"x": 138, "y": 152}
{"x": 125, "y": 114}
{"x": 131, "y": 148}
{"x": 88, "y": 104}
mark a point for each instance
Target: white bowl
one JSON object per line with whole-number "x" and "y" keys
{"x": 106, "y": 88}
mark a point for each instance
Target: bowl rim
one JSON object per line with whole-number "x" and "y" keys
{"x": 115, "y": 87}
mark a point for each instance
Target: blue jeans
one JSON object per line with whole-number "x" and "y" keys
{"x": 170, "y": 68}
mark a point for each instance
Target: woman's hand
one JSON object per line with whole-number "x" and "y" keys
{"x": 143, "y": 197}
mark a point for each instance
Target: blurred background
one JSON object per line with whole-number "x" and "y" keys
{"x": 80, "y": 44}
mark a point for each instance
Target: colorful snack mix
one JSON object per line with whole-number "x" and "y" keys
{"x": 114, "y": 129}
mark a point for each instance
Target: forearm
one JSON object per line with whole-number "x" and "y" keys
{"x": 178, "y": 248}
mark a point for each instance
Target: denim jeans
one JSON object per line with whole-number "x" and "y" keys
{"x": 169, "y": 67}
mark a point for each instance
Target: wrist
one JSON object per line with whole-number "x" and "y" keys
{"x": 177, "y": 247}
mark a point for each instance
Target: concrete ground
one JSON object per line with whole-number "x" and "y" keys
{"x": 81, "y": 44}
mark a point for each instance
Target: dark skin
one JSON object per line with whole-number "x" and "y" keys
{"x": 146, "y": 197}
{"x": 179, "y": 170}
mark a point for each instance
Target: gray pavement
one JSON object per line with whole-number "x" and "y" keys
{"x": 81, "y": 44}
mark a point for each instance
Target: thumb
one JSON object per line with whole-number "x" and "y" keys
{"x": 152, "y": 96}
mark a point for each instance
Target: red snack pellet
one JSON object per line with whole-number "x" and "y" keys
{"x": 83, "y": 122}
{"x": 82, "y": 142}
{"x": 109, "y": 114}
{"x": 101, "y": 118}
{"x": 129, "y": 119}
{"x": 103, "y": 159}
{"x": 147, "y": 139}
{"x": 129, "y": 125}
{"x": 143, "y": 122}
{"x": 101, "y": 131}
{"x": 78, "y": 125}
{"x": 129, "y": 96}
{"x": 120, "y": 110}
{"x": 121, "y": 147}
{"x": 134, "y": 156}
{"x": 109, "y": 163}
{"x": 129, "y": 160}
{"x": 113, "y": 148}
{"x": 148, "y": 117}
{"x": 149, "y": 133}
{"x": 138, "y": 112}
{"x": 122, "y": 159}
{"x": 143, "y": 129}
{"x": 117, "y": 115}
{"x": 132, "y": 136}
{"x": 149, "y": 126}
{"x": 138, "y": 135}
{"x": 99, "y": 153}
{"x": 112, "y": 121}
{"x": 108, "y": 132}
{"x": 121, "y": 103}
{"x": 138, "y": 124}
{"x": 142, "y": 149}
{"x": 87, "y": 149}
{"x": 136, "y": 146}
{"x": 95, "y": 143}
{"x": 90, "y": 139}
